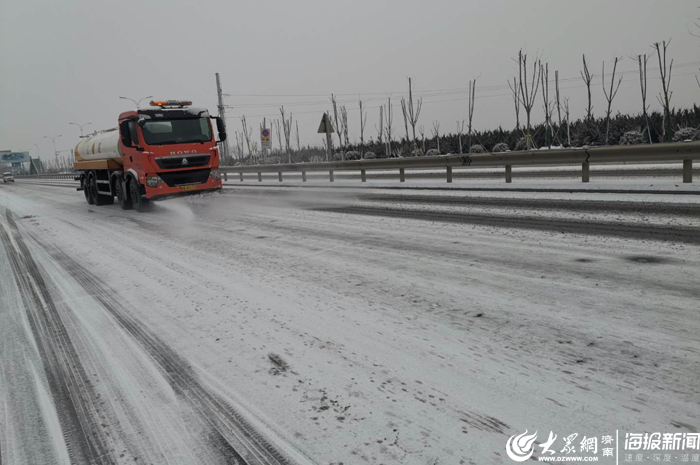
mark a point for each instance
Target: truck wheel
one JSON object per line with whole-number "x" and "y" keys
{"x": 86, "y": 189}
{"x": 122, "y": 195}
{"x": 140, "y": 204}
{"x": 98, "y": 199}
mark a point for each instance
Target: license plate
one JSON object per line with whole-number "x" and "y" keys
{"x": 188, "y": 188}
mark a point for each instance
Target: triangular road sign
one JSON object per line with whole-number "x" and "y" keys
{"x": 325, "y": 127}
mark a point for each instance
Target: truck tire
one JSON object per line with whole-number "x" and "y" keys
{"x": 122, "y": 195}
{"x": 140, "y": 204}
{"x": 86, "y": 190}
{"x": 98, "y": 199}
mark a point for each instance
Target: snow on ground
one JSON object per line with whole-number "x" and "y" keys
{"x": 348, "y": 337}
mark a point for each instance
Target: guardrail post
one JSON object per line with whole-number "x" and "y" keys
{"x": 402, "y": 175}
{"x": 259, "y": 176}
{"x": 687, "y": 170}
{"x": 509, "y": 173}
{"x": 279, "y": 176}
{"x": 585, "y": 172}
{"x": 241, "y": 175}
{"x": 303, "y": 176}
{"x": 449, "y": 174}
{"x": 225, "y": 176}
{"x": 330, "y": 175}
{"x": 363, "y": 174}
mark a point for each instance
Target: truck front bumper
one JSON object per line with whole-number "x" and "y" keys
{"x": 164, "y": 191}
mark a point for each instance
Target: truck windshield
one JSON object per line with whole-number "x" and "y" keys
{"x": 177, "y": 131}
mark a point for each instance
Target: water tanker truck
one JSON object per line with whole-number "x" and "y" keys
{"x": 165, "y": 150}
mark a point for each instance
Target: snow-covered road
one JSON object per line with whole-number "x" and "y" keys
{"x": 285, "y": 325}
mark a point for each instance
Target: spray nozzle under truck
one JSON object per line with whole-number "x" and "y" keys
{"x": 165, "y": 150}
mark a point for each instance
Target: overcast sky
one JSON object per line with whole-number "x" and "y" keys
{"x": 69, "y": 61}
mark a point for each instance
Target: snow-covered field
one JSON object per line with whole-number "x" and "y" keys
{"x": 343, "y": 325}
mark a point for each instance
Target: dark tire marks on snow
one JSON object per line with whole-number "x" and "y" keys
{"x": 78, "y": 407}
{"x": 584, "y": 206}
{"x": 236, "y": 440}
{"x": 679, "y": 234}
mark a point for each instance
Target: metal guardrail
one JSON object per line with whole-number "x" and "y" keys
{"x": 685, "y": 152}
{"x": 630, "y": 154}
{"x": 63, "y": 176}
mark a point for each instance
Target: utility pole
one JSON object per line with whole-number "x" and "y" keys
{"x": 222, "y": 115}
{"x": 263, "y": 147}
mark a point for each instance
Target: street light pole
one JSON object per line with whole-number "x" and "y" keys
{"x": 81, "y": 128}
{"x": 137, "y": 103}
{"x": 53, "y": 139}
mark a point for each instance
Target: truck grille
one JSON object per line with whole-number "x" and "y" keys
{"x": 170, "y": 163}
{"x": 175, "y": 178}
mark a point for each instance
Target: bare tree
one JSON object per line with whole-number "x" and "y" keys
{"x": 471, "y": 100}
{"x": 587, "y": 79}
{"x": 421, "y": 131}
{"x": 568, "y": 121}
{"x": 380, "y": 128}
{"x": 544, "y": 77}
{"x": 247, "y": 134}
{"x": 528, "y": 91}
{"x": 664, "y": 97}
{"x": 460, "y": 132}
{"x": 337, "y": 123}
{"x": 388, "y": 119}
{"x": 278, "y": 131}
{"x": 363, "y": 122}
{"x": 558, "y": 103}
{"x": 411, "y": 113}
{"x": 287, "y": 128}
{"x": 436, "y": 133}
{"x": 344, "y": 128}
{"x": 298, "y": 141}
{"x": 405, "y": 118}
{"x": 239, "y": 145}
{"x": 696, "y": 32}
{"x": 516, "y": 101}
{"x": 642, "y": 61}
{"x": 610, "y": 95}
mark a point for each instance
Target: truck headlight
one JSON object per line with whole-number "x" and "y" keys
{"x": 152, "y": 181}
{"x": 216, "y": 174}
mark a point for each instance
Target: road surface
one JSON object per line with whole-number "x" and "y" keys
{"x": 284, "y": 325}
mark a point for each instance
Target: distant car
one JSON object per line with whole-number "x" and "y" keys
{"x": 7, "y": 177}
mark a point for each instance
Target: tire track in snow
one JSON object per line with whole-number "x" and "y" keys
{"x": 587, "y": 206}
{"x": 679, "y": 234}
{"x": 236, "y": 440}
{"x": 75, "y": 399}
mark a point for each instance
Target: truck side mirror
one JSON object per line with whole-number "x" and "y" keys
{"x": 221, "y": 127}
{"x": 133, "y": 134}
{"x": 125, "y": 133}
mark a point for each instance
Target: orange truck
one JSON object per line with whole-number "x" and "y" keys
{"x": 166, "y": 150}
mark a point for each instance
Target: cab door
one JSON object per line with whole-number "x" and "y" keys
{"x": 131, "y": 145}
